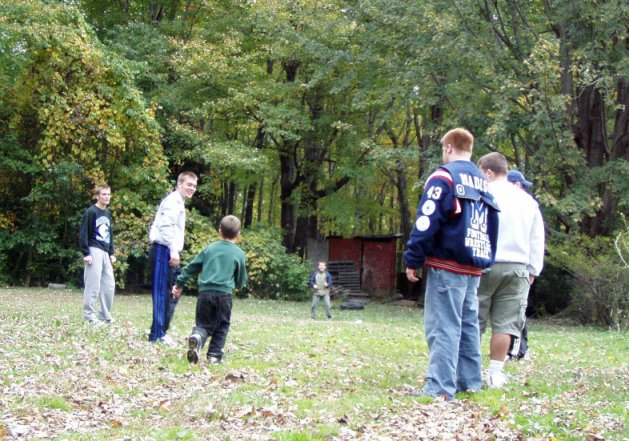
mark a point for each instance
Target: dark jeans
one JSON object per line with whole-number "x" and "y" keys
{"x": 162, "y": 277}
{"x": 213, "y": 317}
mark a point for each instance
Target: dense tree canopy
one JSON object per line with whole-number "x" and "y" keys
{"x": 71, "y": 116}
{"x": 317, "y": 116}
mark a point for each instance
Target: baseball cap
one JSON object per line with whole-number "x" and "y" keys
{"x": 516, "y": 176}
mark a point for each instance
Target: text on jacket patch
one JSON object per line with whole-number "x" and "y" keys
{"x": 476, "y": 236}
{"x": 473, "y": 181}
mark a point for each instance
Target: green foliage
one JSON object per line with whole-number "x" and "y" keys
{"x": 199, "y": 234}
{"x": 73, "y": 118}
{"x": 552, "y": 291}
{"x": 327, "y": 112}
{"x": 600, "y": 281}
{"x": 273, "y": 274}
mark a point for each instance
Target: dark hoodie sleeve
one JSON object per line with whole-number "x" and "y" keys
{"x": 86, "y": 230}
{"x": 111, "y": 235}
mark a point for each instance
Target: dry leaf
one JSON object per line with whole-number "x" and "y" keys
{"x": 236, "y": 378}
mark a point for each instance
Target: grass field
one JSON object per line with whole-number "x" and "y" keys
{"x": 287, "y": 378}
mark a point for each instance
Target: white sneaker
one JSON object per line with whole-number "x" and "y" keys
{"x": 496, "y": 380}
{"x": 214, "y": 360}
{"x": 167, "y": 340}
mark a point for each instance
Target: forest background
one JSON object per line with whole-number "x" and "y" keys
{"x": 311, "y": 118}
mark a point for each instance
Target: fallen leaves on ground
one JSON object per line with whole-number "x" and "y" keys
{"x": 63, "y": 378}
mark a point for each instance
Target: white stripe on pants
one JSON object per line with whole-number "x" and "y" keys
{"x": 99, "y": 285}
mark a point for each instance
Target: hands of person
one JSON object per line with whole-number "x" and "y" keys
{"x": 314, "y": 286}
{"x": 174, "y": 259}
{"x": 411, "y": 275}
{"x": 177, "y": 290}
{"x": 531, "y": 278}
{"x": 87, "y": 260}
{"x": 112, "y": 258}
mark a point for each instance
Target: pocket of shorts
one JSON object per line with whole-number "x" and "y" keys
{"x": 523, "y": 274}
{"x": 522, "y": 316}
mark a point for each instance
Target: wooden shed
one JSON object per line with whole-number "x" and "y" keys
{"x": 373, "y": 257}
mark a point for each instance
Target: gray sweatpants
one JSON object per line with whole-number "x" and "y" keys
{"x": 315, "y": 304}
{"x": 99, "y": 285}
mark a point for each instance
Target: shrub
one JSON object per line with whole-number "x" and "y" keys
{"x": 600, "y": 281}
{"x": 551, "y": 292}
{"x": 273, "y": 274}
{"x": 199, "y": 234}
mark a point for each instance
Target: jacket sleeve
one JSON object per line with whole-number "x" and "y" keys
{"x": 190, "y": 270}
{"x": 537, "y": 240}
{"x": 328, "y": 279}
{"x": 435, "y": 206}
{"x": 84, "y": 234}
{"x": 311, "y": 281}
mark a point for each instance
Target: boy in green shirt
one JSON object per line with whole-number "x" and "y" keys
{"x": 221, "y": 267}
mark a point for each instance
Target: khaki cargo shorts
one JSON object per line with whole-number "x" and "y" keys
{"x": 502, "y": 298}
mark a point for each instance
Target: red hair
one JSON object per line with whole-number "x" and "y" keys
{"x": 460, "y": 139}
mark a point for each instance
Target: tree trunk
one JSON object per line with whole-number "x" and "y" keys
{"x": 399, "y": 180}
{"x": 288, "y": 172}
{"x": 403, "y": 206}
{"x": 231, "y": 200}
{"x": 249, "y": 202}
{"x": 243, "y": 207}
{"x": 260, "y": 201}
{"x": 224, "y": 198}
{"x": 621, "y": 124}
{"x": 589, "y": 136}
{"x": 272, "y": 198}
{"x": 288, "y": 220}
{"x": 426, "y": 134}
{"x": 307, "y": 222}
{"x": 619, "y": 151}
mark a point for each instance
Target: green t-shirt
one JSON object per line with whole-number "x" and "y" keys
{"x": 221, "y": 266}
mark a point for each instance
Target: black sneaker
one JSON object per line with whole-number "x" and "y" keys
{"x": 194, "y": 343}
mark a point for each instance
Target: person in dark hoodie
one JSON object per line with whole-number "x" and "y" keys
{"x": 96, "y": 240}
{"x": 454, "y": 236}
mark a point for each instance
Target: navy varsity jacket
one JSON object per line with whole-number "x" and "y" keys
{"x": 456, "y": 227}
